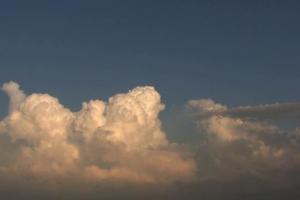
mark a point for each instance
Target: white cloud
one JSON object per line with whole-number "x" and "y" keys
{"x": 118, "y": 140}
{"x": 16, "y": 95}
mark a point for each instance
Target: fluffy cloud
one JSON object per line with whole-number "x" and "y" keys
{"x": 120, "y": 143}
{"x": 118, "y": 140}
{"x": 239, "y": 142}
{"x": 16, "y": 95}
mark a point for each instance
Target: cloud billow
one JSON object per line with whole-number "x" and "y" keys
{"x": 240, "y": 142}
{"x": 116, "y": 141}
{"x": 119, "y": 145}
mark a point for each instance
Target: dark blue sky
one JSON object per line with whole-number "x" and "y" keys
{"x": 236, "y": 52}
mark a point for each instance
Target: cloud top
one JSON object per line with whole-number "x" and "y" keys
{"x": 16, "y": 95}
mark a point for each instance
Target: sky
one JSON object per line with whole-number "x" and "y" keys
{"x": 188, "y": 80}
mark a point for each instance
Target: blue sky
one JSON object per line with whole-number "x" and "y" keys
{"x": 236, "y": 53}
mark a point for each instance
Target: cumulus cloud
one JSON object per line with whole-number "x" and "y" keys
{"x": 237, "y": 143}
{"x": 118, "y": 140}
{"x": 16, "y": 95}
{"x": 115, "y": 144}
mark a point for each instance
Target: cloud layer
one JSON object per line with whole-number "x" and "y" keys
{"x": 119, "y": 145}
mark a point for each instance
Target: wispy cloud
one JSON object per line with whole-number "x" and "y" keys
{"x": 207, "y": 107}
